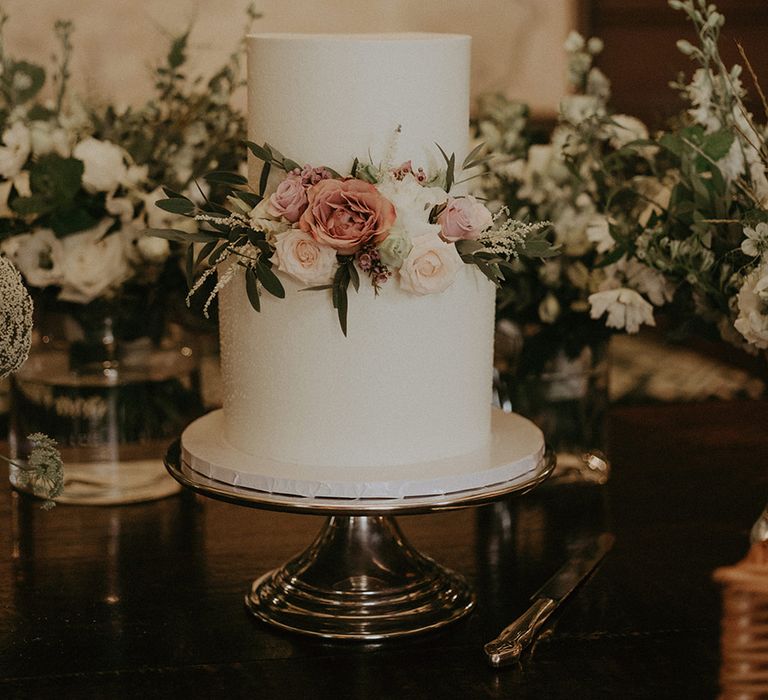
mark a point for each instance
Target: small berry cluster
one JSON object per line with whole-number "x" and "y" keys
{"x": 407, "y": 168}
{"x": 369, "y": 261}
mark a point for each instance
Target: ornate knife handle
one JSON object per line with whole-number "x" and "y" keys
{"x": 520, "y": 634}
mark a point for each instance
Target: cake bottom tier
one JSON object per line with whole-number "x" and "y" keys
{"x": 515, "y": 448}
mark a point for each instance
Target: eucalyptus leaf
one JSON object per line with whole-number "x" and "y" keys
{"x": 224, "y": 177}
{"x": 269, "y": 280}
{"x": 252, "y": 288}
{"x": 176, "y": 205}
{"x": 173, "y": 234}
{"x": 265, "y": 169}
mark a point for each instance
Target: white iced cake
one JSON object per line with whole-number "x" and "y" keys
{"x": 411, "y": 380}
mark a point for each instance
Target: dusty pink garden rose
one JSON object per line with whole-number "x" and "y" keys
{"x": 302, "y": 257}
{"x": 431, "y": 266}
{"x": 464, "y": 218}
{"x": 345, "y": 214}
{"x": 289, "y": 199}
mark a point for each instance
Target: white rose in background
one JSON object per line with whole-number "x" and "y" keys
{"x": 104, "y": 163}
{"x": 17, "y": 145}
{"x": 626, "y": 309}
{"x": 752, "y": 302}
{"x": 299, "y": 255}
{"x": 431, "y": 266}
{"x": 93, "y": 263}
{"x": 38, "y": 255}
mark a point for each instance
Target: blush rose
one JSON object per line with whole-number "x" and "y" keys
{"x": 345, "y": 214}
{"x": 464, "y": 218}
{"x": 289, "y": 199}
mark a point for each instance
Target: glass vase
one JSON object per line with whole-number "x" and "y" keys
{"x": 112, "y": 399}
{"x": 565, "y": 394}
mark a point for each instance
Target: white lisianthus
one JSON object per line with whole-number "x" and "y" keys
{"x": 17, "y": 145}
{"x": 104, "y": 163}
{"x": 756, "y": 241}
{"x": 752, "y": 302}
{"x": 599, "y": 233}
{"x": 93, "y": 263}
{"x": 431, "y": 266}
{"x": 624, "y": 129}
{"x": 626, "y": 309}
{"x": 47, "y": 138}
{"x": 299, "y": 255}
{"x": 38, "y": 255}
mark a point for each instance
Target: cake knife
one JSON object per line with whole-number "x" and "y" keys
{"x": 516, "y": 637}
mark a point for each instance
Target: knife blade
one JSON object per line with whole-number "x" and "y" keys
{"x": 516, "y": 637}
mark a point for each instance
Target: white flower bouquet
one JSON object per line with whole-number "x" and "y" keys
{"x": 708, "y": 231}
{"x": 572, "y": 178}
{"x": 78, "y": 180}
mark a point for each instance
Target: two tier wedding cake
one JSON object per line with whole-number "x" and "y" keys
{"x": 372, "y": 349}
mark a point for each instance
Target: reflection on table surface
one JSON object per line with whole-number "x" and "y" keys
{"x": 149, "y": 599}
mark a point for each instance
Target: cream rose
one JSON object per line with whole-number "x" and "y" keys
{"x": 302, "y": 257}
{"x": 104, "y": 163}
{"x": 431, "y": 266}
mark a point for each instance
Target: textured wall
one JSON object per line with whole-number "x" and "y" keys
{"x": 516, "y": 43}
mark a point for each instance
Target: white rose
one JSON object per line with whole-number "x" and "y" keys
{"x": 752, "y": 302}
{"x": 431, "y": 266}
{"x": 413, "y": 202}
{"x": 15, "y": 151}
{"x": 38, "y": 256}
{"x": 47, "y": 138}
{"x": 93, "y": 264}
{"x": 302, "y": 257}
{"x": 105, "y": 165}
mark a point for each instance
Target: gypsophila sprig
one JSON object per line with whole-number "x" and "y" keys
{"x": 320, "y": 229}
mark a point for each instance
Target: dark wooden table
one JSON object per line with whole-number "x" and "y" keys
{"x": 147, "y": 600}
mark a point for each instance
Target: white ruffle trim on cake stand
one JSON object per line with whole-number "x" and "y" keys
{"x": 514, "y": 450}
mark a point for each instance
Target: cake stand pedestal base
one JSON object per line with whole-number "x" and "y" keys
{"x": 360, "y": 579}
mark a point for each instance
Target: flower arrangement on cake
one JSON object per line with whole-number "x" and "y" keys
{"x": 708, "y": 233}
{"x": 392, "y": 224}
{"x": 590, "y": 179}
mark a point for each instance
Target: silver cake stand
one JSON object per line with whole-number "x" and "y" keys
{"x": 360, "y": 579}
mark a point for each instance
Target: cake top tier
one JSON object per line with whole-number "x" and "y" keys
{"x": 324, "y": 99}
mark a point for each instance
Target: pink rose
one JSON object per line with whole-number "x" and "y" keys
{"x": 464, "y": 218}
{"x": 290, "y": 199}
{"x": 431, "y": 266}
{"x": 345, "y": 214}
